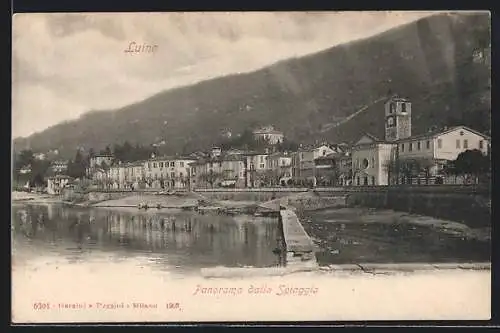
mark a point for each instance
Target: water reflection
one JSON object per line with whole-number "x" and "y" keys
{"x": 182, "y": 239}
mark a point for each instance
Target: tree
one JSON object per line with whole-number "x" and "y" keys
{"x": 472, "y": 163}
{"x": 106, "y": 150}
{"x": 25, "y": 158}
{"x": 37, "y": 180}
{"x": 287, "y": 145}
{"x": 211, "y": 177}
{"x": 392, "y": 169}
{"x": 76, "y": 167}
{"x": 406, "y": 169}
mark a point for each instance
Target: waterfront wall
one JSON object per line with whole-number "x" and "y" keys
{"x": 71, "y": 195}
{"x": 249, "y": 194}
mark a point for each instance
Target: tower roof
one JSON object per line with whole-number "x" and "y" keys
{"x": 397, "y": 98}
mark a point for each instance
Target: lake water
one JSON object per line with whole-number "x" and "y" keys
{"x": 176, "y": 241}
{"x": 182, "y": 242}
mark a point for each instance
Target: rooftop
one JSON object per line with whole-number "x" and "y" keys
{"x": 442, "y": 131}
{"x": 171, "y": 158}
{"x": 267, "y": 130}
{"x": 103, "y": 155}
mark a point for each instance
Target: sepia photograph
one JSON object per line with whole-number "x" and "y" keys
{"x": 236, "y": 167}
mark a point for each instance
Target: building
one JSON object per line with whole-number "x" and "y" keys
{"x": 303, "y": 162}
{"x": 269, "y": 134}
{"x": 344, "y": 163}
{"x": 25, "y": 169}
{"x": 280, "y": 165}
{"x": 99, "y": 160}
{"x": 397, "y": 119}
{"x": 59, "y": 166}
{"x": 371, "y": 158}
{"x": 168, "y": 172}
{"x": 430, "y": 152}
{"x": 40, "y": 156}
{"x": 220, "y": 171}
{"x": 405, "y": 158}
{"x": 113, "y": 176}
{"x": 56, "y": 183}
{"x": 134, "y": 174}
{"x": 256, "y": 167}
{"x": 99, "y": 176}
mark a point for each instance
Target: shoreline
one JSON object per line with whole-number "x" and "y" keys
{"x": 362, "y": 268}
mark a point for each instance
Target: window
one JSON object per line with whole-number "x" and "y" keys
{"x": 161, "y": 164}
{"x": 172, "y": 164}
{"x": 261, "y": 159}
{"x": 181, "y": 164}
{"x": 324, "y": 152}
{"x": 392, "y": 108}
{"x": 373, "y": 162}
{"x": 481, "y": 144}
{"x": 365, "y": 180}
{"x": 154, "y": 165}
{"x": 466, "y": 144}
{"x": 440, "y": 143}
{"x": 458, "y": 143}
{"x": 410, "y": 148}
{"x": 373, "y": 180}
{"x": 402, "y": 147}
{"x": 428, "y": 144}
{"x": 390, "y": 122}
{"x": 262, "y": 165}
{"x": 365, "y": 163}
{"x": 357, "y": 180}
{"x": 181, "y": 175}
{"x": 418, "y": 145}
{"x": 172, "y": 174}
{"x": 283, "y": 162}
{"x": 149, "y": 165}
{"x": 403, "y": 107}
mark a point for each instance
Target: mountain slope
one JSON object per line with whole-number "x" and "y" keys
{"x": 429, "y": 61}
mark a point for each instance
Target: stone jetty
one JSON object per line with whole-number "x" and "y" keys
{"x": 298, "y": 245}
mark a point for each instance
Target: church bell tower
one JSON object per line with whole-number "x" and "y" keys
{"x": 397, "y": 119}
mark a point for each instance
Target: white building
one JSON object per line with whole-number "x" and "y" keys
{"x": 57, "y": 183}
{"x": 40, "y": 156}
{"x": 280, "y": 165}
{"x": 303, "y": 161}
{"x": 270, "y": 134}
{"x": 371, "y": 158}
{"x": 256, "y": 167}
{"x": 170, "y": 172}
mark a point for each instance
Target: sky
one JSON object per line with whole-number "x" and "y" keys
{"x": 64, "y": 65}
